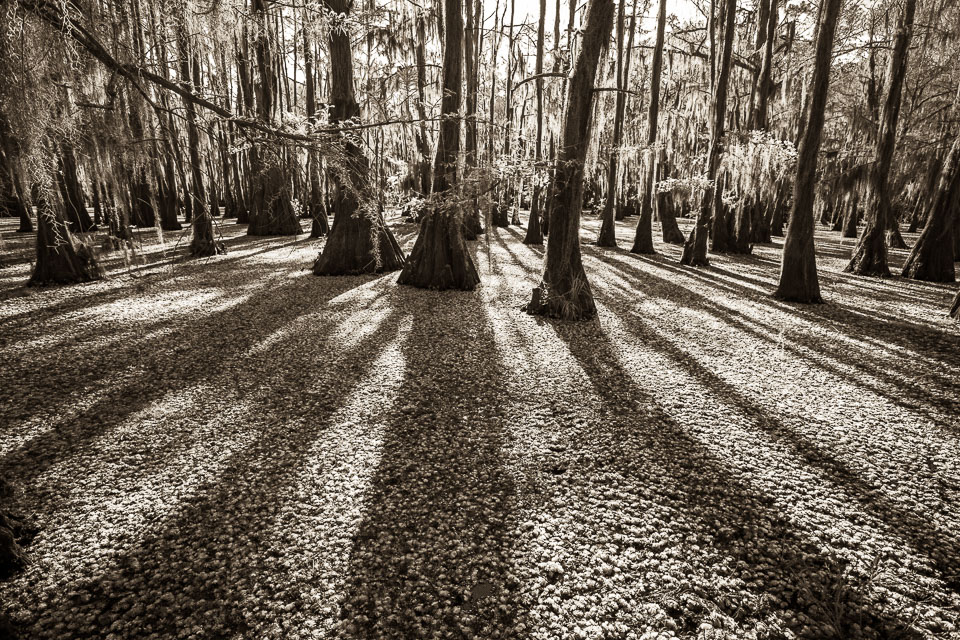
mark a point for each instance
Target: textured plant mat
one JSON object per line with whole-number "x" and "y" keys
{"x": 235, "y": 448}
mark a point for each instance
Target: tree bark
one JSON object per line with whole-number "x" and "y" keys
{"x": 764, "y": 86}
{"x": 798, "y": 271}
{"x": 271, "y": 207}
{"x": 320, "y": 225}
{"x": 60, "y": 258}
{"x": 422, "y": 141}
{"x": 203, "y": 243}
{"x": 670, "y": 230}
{"x": 472, "y": 226}
{"x": 608, "y": 228}
{"x": 695, "y": 249}
{"x": 440, "y": 258}
{"x": 564, "y": 291}
{"x": 870, "y": 255}
{"x": 932, "y": 257}
{"x": 534, "y": 230}
{"x": 359, "y": 241}
{"x": 71, "y": 192}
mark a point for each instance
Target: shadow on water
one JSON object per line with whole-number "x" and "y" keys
{"x": 741, "y": 523}
{"x": 211, "y": 556}
{"x": 432, "y": 554}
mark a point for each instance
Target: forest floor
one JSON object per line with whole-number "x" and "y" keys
{"x": 236, "y": 448}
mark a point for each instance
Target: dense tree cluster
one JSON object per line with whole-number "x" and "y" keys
{"x": 755, "y": 118}
{"x": 746, "y": 115}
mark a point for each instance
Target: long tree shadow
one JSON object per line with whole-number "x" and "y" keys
{"x": 432, "y": 555}
{"x": 204, "y": 563}
{"x": 149, "y": 369}
{"x": 738, "y": 528}
{"x": 87, "y": 294}
{"x": 899, "y": 376}
{"x": 926, "y": 535}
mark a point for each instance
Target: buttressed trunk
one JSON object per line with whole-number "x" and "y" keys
{"x": 932, "y": 257}
{"x": 870, "y": 255}
{"x": 60, "y": 258}
{"x": 440, "y": 258}
{"x": 359, "y": 241}
{"x": 723, "y": 230}
{"x": 695, "y": 249}
{"x": 798, "y": 273}
{"x": 271, "y": 206}
{"x": 564, "y": 291}
{"x": 608, "y": 228}
{"x": 670, "y": 230}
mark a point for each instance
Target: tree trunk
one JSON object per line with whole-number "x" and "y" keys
{"x": 423, "y": 143}
{"x": 764, "y": 80}
{"x": 798, "y": 271}
{"x": 643, "y": 240}
{"x": 60, "y": 258}
{"x": 440, "y": 259}
{"x": 564, "y": 291}
{"x": 70, "y": 190}
{"x": 315, "y": 209}
{"x": 203, "y": 243}
{"x": 870, "y": 254}
{"x": 534, "y": 231}
{"x": 15, "y": 196}
{"x": 695, "y": 249}
{"x": 359, "y": 241}
{"x": 12, "y": 558}
{"x": 608, "y": 228}
{"x": 932, "y": 257}
{"x": 955, "y": 307}
{"x": 472, "y": 227}
{"x": 271, "y": 207}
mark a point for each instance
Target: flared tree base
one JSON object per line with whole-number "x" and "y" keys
{"x": 472, "y": 227}
{"x": 68, "y": 263}
{"x": 870, "y": 255}
{"x": 895, "y": 239}
{"x": 563, "y": 303}
{"x": 695, "y": 250}
{"x": 670, "y": 231}
{"x": 608, "y": 232}
{"x": 930, "y": 262}
{"x": 643, "y": 238}
{"x": 440, "y": 259}
{"x": 320, "y": 226}
{"x": 206, "y": 248}
{"x": 354, "y": 247}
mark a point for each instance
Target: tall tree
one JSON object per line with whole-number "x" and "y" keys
{"x": 766, "y": 32}
{"x": 359, "y": 241}
{"x": 608, "y": 228}
{"x": 421, "y": 139}
{"x": 271, "y": 210}
{"x": 670, "y": 230}
{"x": 440, "y": 258}
{"x": 564, "y": 291}
{"x": 534, "y": 231}
{"x": 471, "y": 219}
{"x": 932, "y": 256}
{"x": 695, "y": 249}
{"x": 870, "y": 254}
{"x": 798, "y": 272}
{"x": 315, "y": 197}
{"x": 203, "y": 243}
